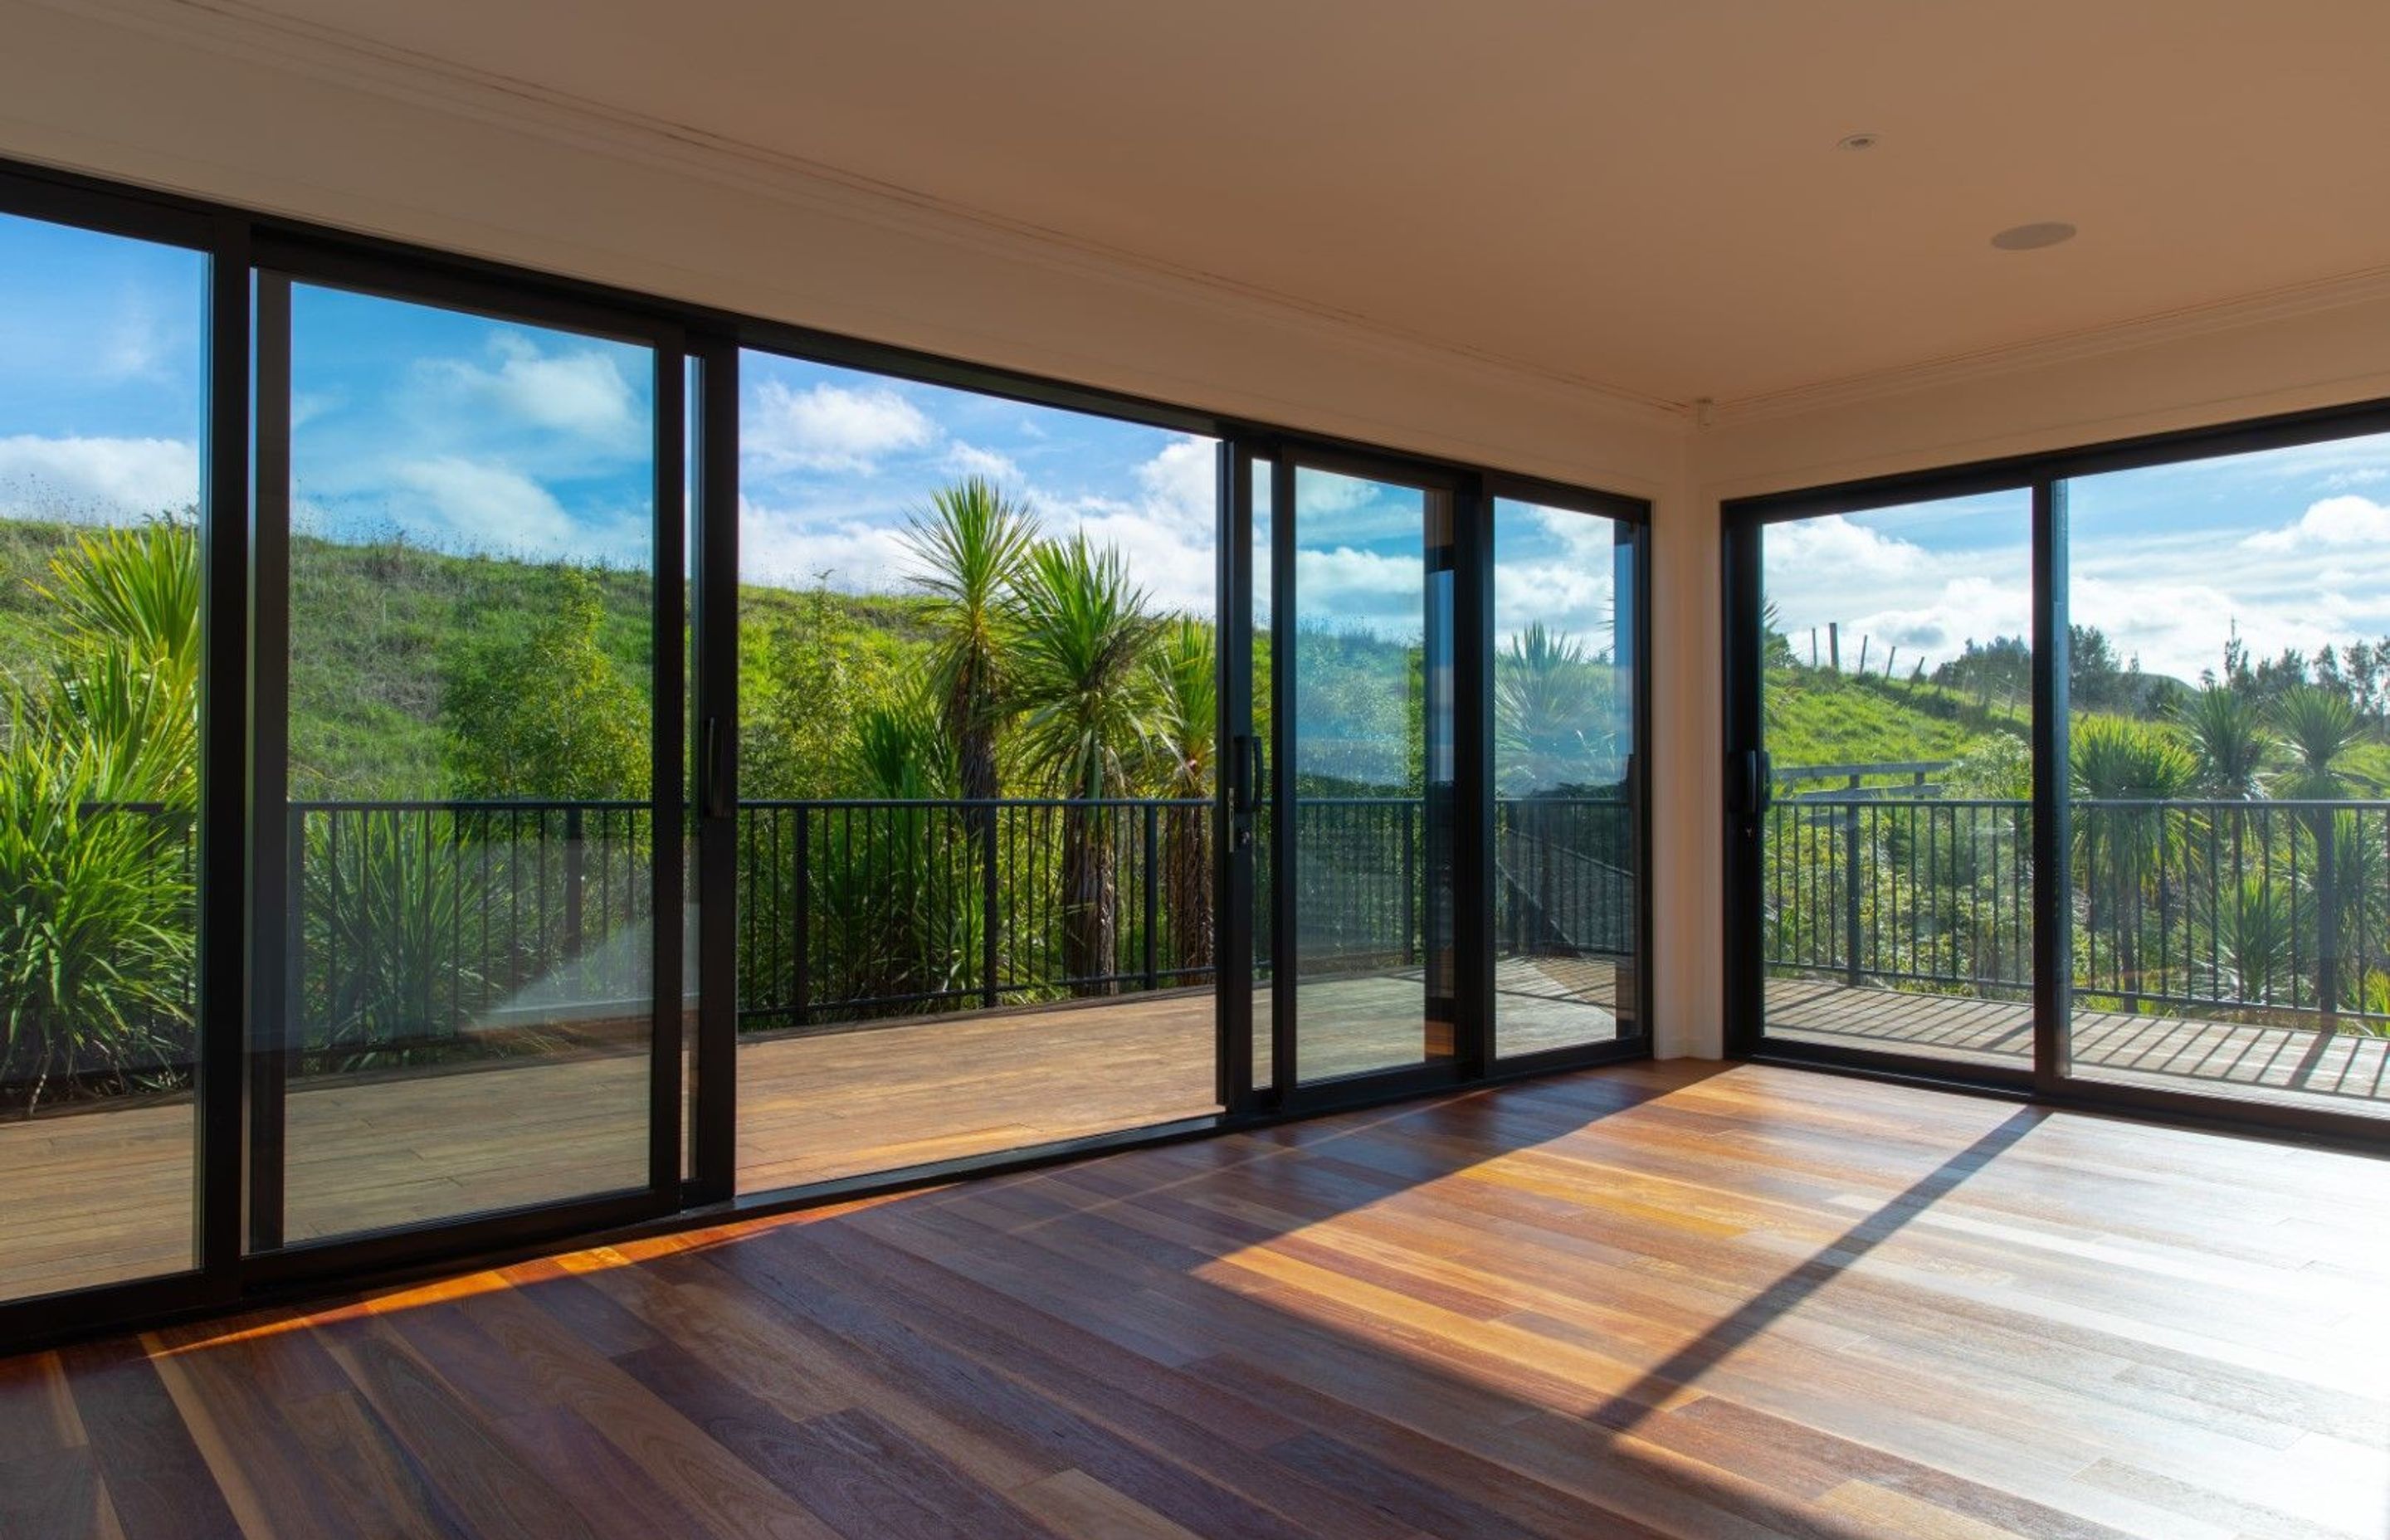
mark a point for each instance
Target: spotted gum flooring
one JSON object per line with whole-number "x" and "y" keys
{"x": 1655, "y": 1300}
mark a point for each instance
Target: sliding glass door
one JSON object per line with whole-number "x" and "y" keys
{"x": 1346, "y": 802}
{"x": 2228, "y": 787}
{"x": 469, "y": 829}
{"x": 484, "y": 760}
{"x": 1887, "y": 781}
{"x": 2072, "y": 775}
{"x": 103, "y": 522}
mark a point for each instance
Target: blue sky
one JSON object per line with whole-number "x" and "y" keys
{"x": 2285, "y": 546}
{"x": 467, "y": 433}
{"x": 470, "y": 433}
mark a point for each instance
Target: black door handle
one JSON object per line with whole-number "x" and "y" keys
{"x": 715, "y": 770}
{"x": 1251, "y": 767}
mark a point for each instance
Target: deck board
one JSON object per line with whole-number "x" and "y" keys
{"x": 104, "y": 1194}
{"x": 2348, "y": 1070}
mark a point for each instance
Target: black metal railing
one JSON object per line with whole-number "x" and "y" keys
{"x": 2274, "y": 910}
{"x": 425, "y": 933}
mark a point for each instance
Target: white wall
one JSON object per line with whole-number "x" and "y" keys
{"x": 176, "y": 97}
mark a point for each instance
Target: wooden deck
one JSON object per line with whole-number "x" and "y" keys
{"x": 2350, "y": 1071}
{"x": 1671, "y": 1300}
{"x": 101, "y": 1195}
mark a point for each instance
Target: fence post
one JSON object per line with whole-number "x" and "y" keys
{"x": 574, "y": 861}
{"x": 2327, "y": 881}
{"x": 1410, "y": 886}
{"x": 989, "y": 995}
{"x": 1152, "y": 891}
{"x": 804, "y": 915}
{"x": 1851, "y": 892}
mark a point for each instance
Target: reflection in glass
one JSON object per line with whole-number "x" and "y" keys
{"x": 1895, "y": 862}
{"x": 1264, "y": 891}
{"x": 2230, "y": 836}
{"x": 1565, "y": 880}
{"x": 1371, "y": 743}
{"x": 101, "y": 375}
{"x": 472, "y": 583}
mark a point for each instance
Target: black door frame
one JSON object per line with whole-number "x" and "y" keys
{"x": 1473, "y": 496}
{"x": 244, "y": 543}
{"x": 2044, "y": 477}
{"x": 278, "y": 262}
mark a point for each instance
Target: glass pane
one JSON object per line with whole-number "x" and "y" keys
{"x": 978, "y": 693}
{"x": 472, "y": 586}
{"x": 1897, "y": 856}
{"x": 1372, "y": 753}
{"x": 2229, "y": 853}
{"x": 1264, "y": 891}
{"x": 1565, "y": 913}
{"x": 101, "y": 379}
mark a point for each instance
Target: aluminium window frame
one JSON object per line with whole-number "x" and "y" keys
{"x": 242, "y": 249}
{"x": 2044, "y": 475}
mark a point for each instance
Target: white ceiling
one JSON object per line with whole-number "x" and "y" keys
{"x": 1645, "y": 196}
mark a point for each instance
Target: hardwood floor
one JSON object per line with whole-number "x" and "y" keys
{"x": 1658, "y": 1299}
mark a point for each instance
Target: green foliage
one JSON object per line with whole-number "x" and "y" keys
{"x": 1556, "y": 712}
{"x": 1084, "y": 698}
{"x": 1183, "y": 752}
{"x": 973, "y": 546}
{"x": 549, "y": 715}
{"x": 2319, "y": 729}
{"x": 807, "y": 679}
{"x": 394, "y": 898}
{"x": 1839, "y": 719}
{"x": 2114, "y": 757}
{"x": 2256, "y": 940}
{"x": 96, "y": 782}
{"x": 2228, "y": 737}
{"x": 96, "y": 926}
{"x": 1998, "y": 766}
{"x": 1086, "y": 705}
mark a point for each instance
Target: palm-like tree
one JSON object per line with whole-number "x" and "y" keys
{"x": 1184, "y": 761}
{"x": 2136, "y": 768}
{"x": 2227, "y": 732}
{"x": 2319, "y": 729}
{"x": 971, "y": 543}
{"x": 1554, "y": 710}
{"x": 1077, "y": 637}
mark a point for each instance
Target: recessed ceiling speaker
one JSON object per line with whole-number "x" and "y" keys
{"x": 2032, "y": 237}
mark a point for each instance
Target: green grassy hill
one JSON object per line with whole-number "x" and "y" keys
{"x": 374, "y": 626}
{"x": 1816, "y": 716}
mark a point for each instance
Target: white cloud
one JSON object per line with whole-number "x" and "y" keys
{"x": 96, "y": 480}
{"x": 2347, "y": 519}
{"x": 1181, "y": 487}
{"x": 1349, "y": 589}
{"x": 831, "y": 427}
{"x": 583, "y": 393}
{"x": 1835, "y": 544}
{"x": 790, "y": 547}
{"x": 972, "y": 460}
{"x": 491, "y": 507}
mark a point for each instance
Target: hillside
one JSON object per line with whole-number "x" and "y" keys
{"x": 373, "y": 627}
{"x": 1816, "y": 716}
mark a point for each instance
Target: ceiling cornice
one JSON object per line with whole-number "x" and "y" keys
{"x": 2370, "y": 287}
{"x": 343, "y": 58}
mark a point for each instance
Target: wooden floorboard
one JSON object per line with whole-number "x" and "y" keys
{"x": 1660, "y": 1299}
